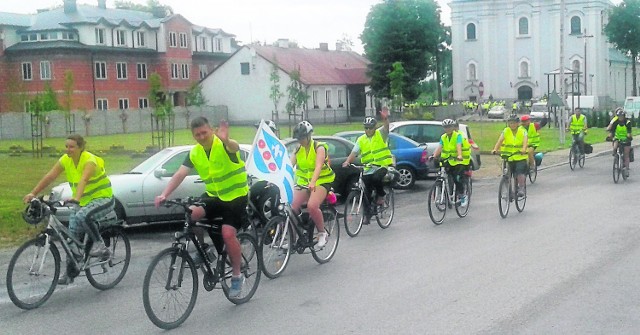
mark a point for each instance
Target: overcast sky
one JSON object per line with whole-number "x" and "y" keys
{"x": 308, "y": 22}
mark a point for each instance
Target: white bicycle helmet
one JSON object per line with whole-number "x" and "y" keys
{"x": 369, "y": 121}
{"x": 270, "y": 124}
{"x": 448, "y": 123}
{"x": 302, "y": 130}
{"x": 620, "y": 112}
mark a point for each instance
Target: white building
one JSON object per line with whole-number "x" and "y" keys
{"x": 507, "y": 47}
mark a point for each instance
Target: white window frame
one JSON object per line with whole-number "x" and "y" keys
{"x": 101, "y": 36}
{"x": 204, "y": 70}
{"x": 203, "y": 43}
{"x": 218, "y": 42}
{"x": 100, "y": 70}
{"x": 471, "y": 65}
{"x": 175, "y": 73}
{"x": 102, "y": 104}
{"x": 123, "y": 103}
{"x": 340, "y": 103}
{"x": 141, "y": 38}
{"x": 121, "y": 38}
{"x": 521, "y": 74}
{"x": 173, "y": 39}
{"x": 184, "y": 43}
{"x": 27, "y": 71}
{"x": 327, "y": 98}
{"x": 121, "y": 71}
{"x": 141, "y": 71}
{"x": 314, "y": 99}
{"x": 143, "y": 103}
{"x": 45, "y": 70}
{"x": 475, "y": 31}
{"x": 184, "y": 68}
{"x": 528, "y": 32}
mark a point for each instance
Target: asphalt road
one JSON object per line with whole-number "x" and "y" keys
{"x": 569, "y": 264}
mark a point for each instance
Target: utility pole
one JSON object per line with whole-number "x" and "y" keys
{"x": 584, "y": 37}
{"x": 562, "y": 117}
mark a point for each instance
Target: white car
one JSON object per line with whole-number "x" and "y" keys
{"x": 498, "y": 112}
{"x": 539, "y": 111}
{"x": 135, "y": 191}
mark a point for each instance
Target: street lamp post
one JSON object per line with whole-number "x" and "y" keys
{"x": 584, "y": 37}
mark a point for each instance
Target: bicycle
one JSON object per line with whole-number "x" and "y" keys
{"x": 32, "y": 278}
{"x": 277, "y": 242}
{"x": 170, "y": 285}
{"x": 358, "y": 204}
{"x": 575, "y": 158}
{"x": 532, "y": 173}
{"x": 507, "y": 189}
{"x": 443, "y": 195}
{"x": 618, "y": 163}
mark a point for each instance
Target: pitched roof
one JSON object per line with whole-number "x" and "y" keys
{"x": 319, "y": 67}
{"x": 11, "y": 19}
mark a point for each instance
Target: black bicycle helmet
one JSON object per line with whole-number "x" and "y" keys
{"x": 302, "y": 130}
{"x": 620, "y": 112}
{"x": 34, "y": 213}
{"x": 369, "y": 122}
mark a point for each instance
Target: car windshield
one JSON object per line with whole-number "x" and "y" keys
{"x": 151, "y": 162}
{"x": 538, "y": 109}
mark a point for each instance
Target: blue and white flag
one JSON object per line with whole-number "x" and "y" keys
{"x": 270, "y": 161}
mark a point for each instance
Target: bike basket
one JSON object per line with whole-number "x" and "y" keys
{"x": 588, "y": 148}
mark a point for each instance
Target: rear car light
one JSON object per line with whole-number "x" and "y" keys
{"x": 423, "y": 157}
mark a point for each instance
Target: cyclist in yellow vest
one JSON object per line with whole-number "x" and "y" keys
{"x": 533, "y": 138}
{"x": 91, "y": 189}
{"x": 578, "y": 128}
{"x": 622, "y": 135}
{"x": 313, "y": 177}
{"x": 450, "y": 151}
{"x": 375, "y": 155}
{"x": 513, "y": 141}
{"x": 217, "y": 161}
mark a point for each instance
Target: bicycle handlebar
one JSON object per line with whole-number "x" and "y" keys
{"x": 184, "y": 203}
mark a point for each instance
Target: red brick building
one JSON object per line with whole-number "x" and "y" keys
{"x": 111, "y": 53}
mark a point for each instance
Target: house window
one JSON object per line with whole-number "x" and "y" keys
{"x": 203, "y": 43}
{"x": 244, "y": 68}
{"x": 123, "y": 103}
{"x": 471, "y": 31}
{"x": 218, "y": 44}
{"x": 121, "y": 38}
{"x": 340, "y": 99}
{"x": 143, "y": 103}
{"x": 174, "y": 71}
{"x": 471, "y": 74}
{"x": 203, "y": 71}
{"x": 185, "y": 71}
{"x": 576, "y": 25}
{"x": 523, "y": 26}
{"x": 142, "y": 38}
{"x": 24, "y": 38}
{"x": 45, "y": 70}
{"x": 101, "y": 70}
{"x": 183, "y": 40}
{"x": 44, "y": 36}
{"x": 68, "y": 36}
{"x": 33, "y": 37}
{"x": 102, "y": 104}
{"x": 173, "y": 41}
{"x": 101, "y": 37}
{"x": 53, "y": 36}
{"x": 314, "y": 99}
{"x": 26, "y": 71}
{"x": 575, "y": 66}
{"x": 142, "y": 70}
{"x": 524, "y": 69}
{"x": 327, "y": 98}
{"x": 121, "y": 69}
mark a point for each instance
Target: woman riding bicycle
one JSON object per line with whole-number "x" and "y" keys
{"x": 451, "y": 154}
{"x": 91, "y": 190}
{"x": 313, "y": 177}
{"x": 513, "y": 142}
{"x": 578, "y": 128}
{"x": 620, "y": 131}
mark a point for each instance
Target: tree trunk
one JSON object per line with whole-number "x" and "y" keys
{"x": 634, "y": 59}
{"x": 438, "y": 76}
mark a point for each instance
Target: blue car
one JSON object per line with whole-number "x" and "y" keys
{"x": 410, "y": 157}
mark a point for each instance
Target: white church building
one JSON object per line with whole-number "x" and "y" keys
{"x": 506, "y": 48}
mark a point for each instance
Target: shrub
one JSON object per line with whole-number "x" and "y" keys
{"x": 428, "y": 116}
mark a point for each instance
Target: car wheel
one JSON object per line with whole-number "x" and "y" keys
{"x": 406, "y": 178}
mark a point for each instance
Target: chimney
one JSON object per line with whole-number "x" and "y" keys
{"x": 70, "y": 6}
{"x": 282, "y": 43}
{"x": 102, "y": 4}
{"x": 324, "y": 46}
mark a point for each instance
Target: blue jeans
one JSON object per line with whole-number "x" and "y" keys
{"x": 83, "y": 220}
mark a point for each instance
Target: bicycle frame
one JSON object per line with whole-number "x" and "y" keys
{"x": 443, "y": 176}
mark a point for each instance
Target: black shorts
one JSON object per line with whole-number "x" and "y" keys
{"x": 623, "y": 143}
{"x": 233, "y": 212}
{"x": 519, "y": 167}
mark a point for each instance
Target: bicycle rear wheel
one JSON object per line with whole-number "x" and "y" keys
{"x": 504, "y": 196}
{"x": 581, "y": 160}
{"x": 616, "y": 169}
{"x": 249, "y": 269}
{"x": 109, "y": 273}
{"x": 386, "y": 211}
{"x": 170, "y": 288}
{"x": 521, "y": 201}
{"x": 533, "y": 173}
{"x": 462, "y": 211}
{"x": 332, "y": 227}
{"x": 275, "y": 247}
{"x": 437, "y": 202}
{"x": 573, "y": 158}
{"x": 32, "y": 276}
{"x": 353, "y": 213}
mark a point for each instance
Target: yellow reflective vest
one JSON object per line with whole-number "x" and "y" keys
{"x": 513, "y": 144}
{"x": 577, "y": 124}
{"x": 222, "y": 177}
{"x": 98, "y": 186}
{"x": 533, "y": 137}
{"x": 306, "y": 165}
{"x": 374, "y": 150}
{"x": 449, "y": 148}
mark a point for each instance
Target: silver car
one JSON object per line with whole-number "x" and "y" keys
{"x": 135, "y": 191}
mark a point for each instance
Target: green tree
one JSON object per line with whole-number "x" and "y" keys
{"x": 297, "y": 97}
{"x": 274, "y": 91}
{"x": 152, "y": 6}
{"x": 623, "y": 30}
{"x": 406, "y": 31}
{"x": 397, "y": 79}
{"x": 69, "y": 83}
{"x": 162, "y": 118}
{"x": 194, "y": 98}
{"x": 443, "y": 61}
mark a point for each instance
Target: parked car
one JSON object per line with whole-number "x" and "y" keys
{"x": 339, "y": 149}
{"x": 410, "y": 157}
{"x": 539, "y": 111}
{"x": 429, "y": 132}
{"x": 498, "y": 112}
{"x": 135, "y": 191}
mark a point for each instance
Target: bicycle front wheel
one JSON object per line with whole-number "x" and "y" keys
{"x": 533, "y": 173}
{"x": 32, "y": 275}
{"x": 616, "y": 169}
{"x": 573, "y": 158}
{"x": 462, "y": 211}
{"x": 437, "y": 202}
{"x": 521, "y": 201}
{"x": 353, "y": 213}
{"x": 249, "y": 270}
{"x": 332, "y": 228}
{"x": 106, "y": 275}
{"x": 170, "y": 288}
{"x": 386, "y": 211}
{"x": 275, "y": 247}
{"x": 504, "y": 196}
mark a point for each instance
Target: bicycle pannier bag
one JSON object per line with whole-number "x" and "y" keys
{"x": 588, "y": 148}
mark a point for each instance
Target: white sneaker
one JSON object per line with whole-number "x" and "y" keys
{"x": 322, "y": 240}
{"x": 100, "y": 250}
{"x": 463, "y": 201}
